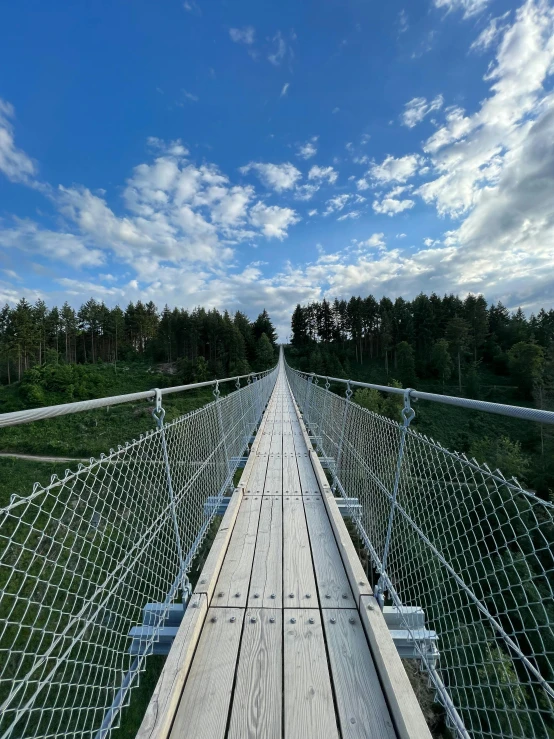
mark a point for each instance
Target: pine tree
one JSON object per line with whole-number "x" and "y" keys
{"x": 265, "y": 357}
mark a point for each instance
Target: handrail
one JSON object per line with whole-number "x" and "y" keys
{"x": 16, "y": 418}
{"x": 529, "y": 414}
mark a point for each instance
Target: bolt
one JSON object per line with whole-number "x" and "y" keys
{"x": 237, "y": 595}
{"x": 214, "y": 619}
{"x": 253, "y": 619}
{"x": 232, "y": 619}
{"x": 256, "y": 595}
{"x": 312, "y": 621}
{"x": 327, "y": 595}
{"x": 293, "y": 620}
{"x": 361, "y": 582}
{"x": 220, "y": 595}
{"x": 195, "y": 605}
{"x": 345, "y": 596}
{"x": 202, "y": 582}
{"x": 333, "y": 620}
{"x": 291, "y": 595}
{"x": 272, "y": 620}
{"x": 272, "y": 595}
{"x": 352, "y": 620}
{"x": 308, "y": 595}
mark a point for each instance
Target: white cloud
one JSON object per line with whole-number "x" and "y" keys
{"x": 305, "y": 192}
{"x": 353, "y": 214}
{"x": 244, "y": 35}
{"x": 312, "y": 212}
{"x": 469, "y": 7}
{"x": 280, "y": 51}
{"x": 390, "y": 204}
{"x": 400, "y": 236}
{"x": 277, "y": 177}
{"x": 14, "y": 163}
{"x": 323, "y": 173}
{"x": 285, "y": 89}
{"x": 309, "y": 149}
{"x": 470, "y": 152}
{"x": 189, "y": 96}
{"x": 192, "y": 7}
{"x": 418, "y": 108}
{"x": 375, "y": 241}
{"x": 403, "y": 24}
{"x": 490, "y": 33}
{"x": 337, "y": 203}
{"x": 273, "y": 220}
{"x": 395, "y": 170}
{"x": 29, "y": 237}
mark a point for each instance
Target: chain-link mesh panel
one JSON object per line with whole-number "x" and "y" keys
{"x": 471, "y": 548}
{"x": 80, "y": 559}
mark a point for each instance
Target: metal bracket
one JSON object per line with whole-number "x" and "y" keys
{"x": 408, "y": 413}
{"x": 159, "y": 412}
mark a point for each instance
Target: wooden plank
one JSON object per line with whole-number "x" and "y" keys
{"x": 256, "y": 481}
{"x": 291, "y": 478}
{"x": 354, "y": 570}
{"x": 159, "y": 715}
{"x": 308, "y": 481}
{"x": 404, "y": 708}
{"x": 274, "y": 478}
{"x": 309, "y": 709}
{"x": 332, "y": 584}
{"x": 298, "y": 571}
{"x": 361, "y": 705}
{"x": 234, "y": 577}
{"x": 212, "y": 566}
{"x": 266, "y": 584}
{"x": 257, "y": 709}
{"x": 204, "y": 705}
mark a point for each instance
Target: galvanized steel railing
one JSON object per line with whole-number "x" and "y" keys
{"x": 81, "y": 558}
{"x": 474, "y": 550}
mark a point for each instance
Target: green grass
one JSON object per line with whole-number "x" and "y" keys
{"x": 90, "y": 433}
{"x": 19, "y": 475}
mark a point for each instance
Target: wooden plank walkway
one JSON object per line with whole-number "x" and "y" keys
{"x": 280, "y": 644}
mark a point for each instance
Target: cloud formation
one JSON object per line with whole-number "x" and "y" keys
{"x": 276, "y": 177}
{"x": 418, "y": 108}
{"x": 14, "y": 163}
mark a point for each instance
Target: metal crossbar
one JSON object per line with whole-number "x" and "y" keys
{"x": 81, "y": 558}
{"x": 474, "y": 550}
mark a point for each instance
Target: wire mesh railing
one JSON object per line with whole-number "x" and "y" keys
{"x": 473, "y": 549}
{"x": 82, "y": 557}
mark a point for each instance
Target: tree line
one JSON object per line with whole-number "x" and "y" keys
{"x": 428, "y": 337}
{"x": 201, "y": 343}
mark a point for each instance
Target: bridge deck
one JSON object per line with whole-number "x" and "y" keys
{"x": 282, "y": 637}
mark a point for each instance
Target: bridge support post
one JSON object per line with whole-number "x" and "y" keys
{"x": 408, "y": 415}
{"x": 159, "y": 414}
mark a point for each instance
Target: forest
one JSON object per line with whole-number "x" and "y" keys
{"x": 45, "y": 349}
{"x": 445, "y": 345}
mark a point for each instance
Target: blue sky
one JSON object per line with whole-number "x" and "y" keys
{"x": 249, "y": 154}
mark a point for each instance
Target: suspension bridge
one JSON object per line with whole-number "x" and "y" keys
{"x": 285, "y": 633}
